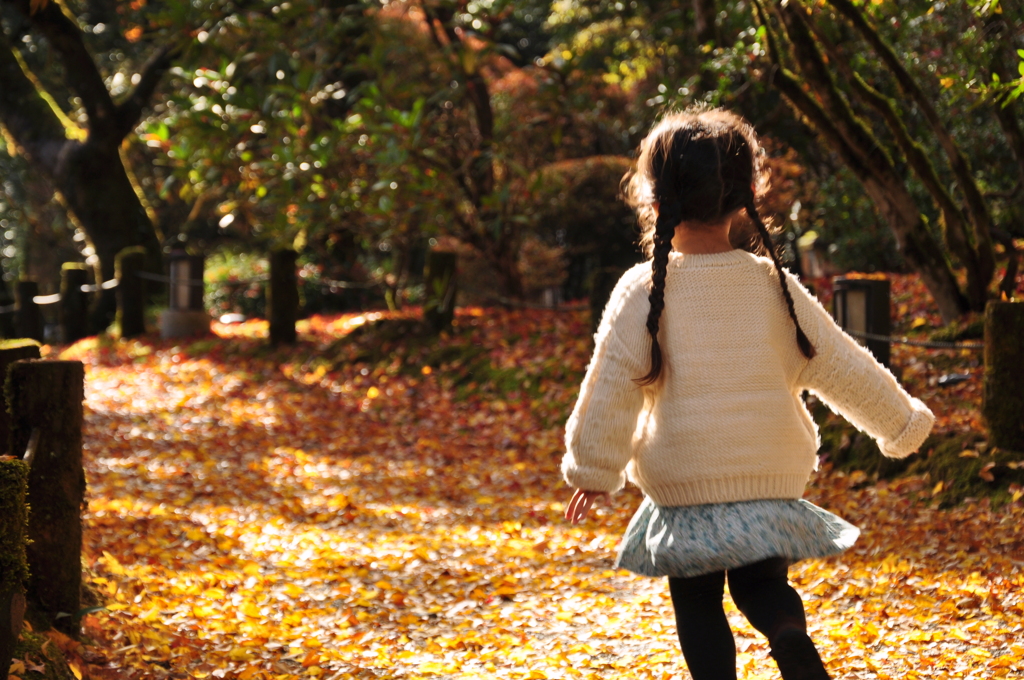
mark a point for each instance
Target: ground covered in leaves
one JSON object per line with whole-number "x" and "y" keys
{"x": 368, "y": 508}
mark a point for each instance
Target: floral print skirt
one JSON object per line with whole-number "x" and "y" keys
{"x": 692, "y": 540}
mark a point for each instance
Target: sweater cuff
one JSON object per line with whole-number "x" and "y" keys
{"x": 591, "y": 478}
{"x": 913, "y": 434}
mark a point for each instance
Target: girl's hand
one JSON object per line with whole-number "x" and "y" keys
{"x": 580, "y": 504}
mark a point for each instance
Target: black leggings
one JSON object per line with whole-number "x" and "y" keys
{"x": 760, "y": 590}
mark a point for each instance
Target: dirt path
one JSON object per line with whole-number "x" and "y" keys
{"x": 245, "y": 522}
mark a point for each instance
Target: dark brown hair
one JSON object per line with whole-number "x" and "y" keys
{"x": 698, "y": 167}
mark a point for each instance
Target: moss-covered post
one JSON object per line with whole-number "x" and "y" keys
{"x": 74, "y": 303}
{"x": 441, "y": 283}
{"x": 131, "y": 291}
{"x": 28, "y": 320}
{"x": 282, "y": 297}
{"x": 1003, "y": 396}
{"x": 46, "y": 397}
{"x": 11, "y": 351}
{"x": 13, "y": 567}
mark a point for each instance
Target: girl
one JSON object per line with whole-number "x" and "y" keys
{"x": 694, "y": 393}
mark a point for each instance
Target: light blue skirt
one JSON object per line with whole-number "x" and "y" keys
{"x": 692, "y": 540}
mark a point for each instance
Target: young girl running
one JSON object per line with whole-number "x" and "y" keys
{"x": 694, "y": 393}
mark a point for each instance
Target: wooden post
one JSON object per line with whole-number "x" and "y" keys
{"x": 74, "y": 304}
{"x": 6, "y": 318}
{"x": 46, "y": 397}
{"x": 131, "y": 291}
{"x": 283, "y": 297}
{"x": 13, "y": 567}
{"x": 11, "y": 351}
{"x": 1003, "y": 395}
{"x": 28, "y": 320}
{"x": 441, "y": 283}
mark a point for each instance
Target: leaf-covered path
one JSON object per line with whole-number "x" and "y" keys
{"x": 275, "y": 515}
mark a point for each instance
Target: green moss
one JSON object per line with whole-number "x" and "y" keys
{"x": 18, "y": 343}
{"x": 964, "y": 462}
{"x": 39, "y": 650}
{"x": 81, "y": 266}
{"x": 969, "y": 468}
{"x": 13, "y": 522}
{"x": 972, "y": 329}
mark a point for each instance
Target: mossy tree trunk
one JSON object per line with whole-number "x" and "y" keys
{"x": 11, "y": 351}
{"x": 74, "y": 305}
{"x": 13, "y": 568}
{"x": 131, "y": 291}
{"x": 441, "y": 281}
{"x": 1003, "y": 398}
{"x": 83, "y": 160}
{"x": 816, "y": 76}
{"x": 28, "y": 319}
{"x": 283, "y": 297}
{"x": 46, "y": 397}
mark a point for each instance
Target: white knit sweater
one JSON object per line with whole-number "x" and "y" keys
{"x": 725, "y": 422}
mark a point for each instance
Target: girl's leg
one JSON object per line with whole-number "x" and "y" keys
{"x": 704, "y": 632}
{"x": 762, "y": 592}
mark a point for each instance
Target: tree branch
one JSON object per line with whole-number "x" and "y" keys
{"x": 955, "y": 231}
{"x": 83, "y": 76}
{"x": 840, "y": 128}
{"x": 25, "y": 115}
{"x": 975, "y": 202}
{"x": 130, "y": 110}
{"x": 1005, "y": 107}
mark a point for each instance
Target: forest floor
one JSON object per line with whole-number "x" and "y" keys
{"x": 363, "y": 506}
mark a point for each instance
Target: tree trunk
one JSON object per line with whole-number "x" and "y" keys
{"x": 46, "y": 397}
{"x": 13, "y": 567}
{"x": 704, "y": 14}
{"x": 815, "y": 95}
{"x": 97, "y": 191}
{"x": 1003, "y": 397}
{"x": 11, "y": 351}
{"x": 282, "y": 297}
{"x": 84, "y": 166}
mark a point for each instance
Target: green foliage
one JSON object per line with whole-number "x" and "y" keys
{"x": 856, "y": 236}
{"x": 236, "y": 283}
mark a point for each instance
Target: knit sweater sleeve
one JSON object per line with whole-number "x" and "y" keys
{"x": 854, "y": 384}
{"x": 598, "y": 434}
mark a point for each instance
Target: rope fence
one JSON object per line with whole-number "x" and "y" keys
{"x": 928, "y": 344}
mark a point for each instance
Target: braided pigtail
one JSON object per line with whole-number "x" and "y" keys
{"x": 801, "y": 339}
{"x": 665, "y": 229}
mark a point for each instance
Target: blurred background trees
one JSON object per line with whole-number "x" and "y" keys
{"x": 364, "y": 133}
